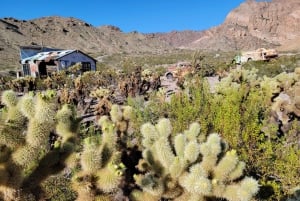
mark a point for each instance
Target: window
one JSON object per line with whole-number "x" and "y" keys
{"x": 26, "y": 69}
{"x": 86, "y": 66}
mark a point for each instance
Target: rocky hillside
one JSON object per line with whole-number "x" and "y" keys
{"x": 252, "y": 25}
{"x": 255, "y": 24}
{"x": 71, "y": 33}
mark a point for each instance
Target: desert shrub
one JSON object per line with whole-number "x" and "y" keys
{"x": 144, "y": 111}
{"x": 274, "y": 66}
{"x": 277, "y": 164}
{"x": 242, "y": 115}
{"x": 184, "y": 107}
{"x": 128, "y": 65}
{"x": 192, "y": 105}
{"x": 237, "y": 116}
{"x": 40, "y": 85}
{"x": 160, "y": 70}
{"x": 227, "y": 117}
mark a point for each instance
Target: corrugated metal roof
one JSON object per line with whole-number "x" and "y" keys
{"x": 47, "y": 56}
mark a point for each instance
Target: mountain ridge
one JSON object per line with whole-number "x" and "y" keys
{"x": 253, "y": 24}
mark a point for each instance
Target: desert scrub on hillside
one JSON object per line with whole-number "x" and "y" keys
{"x": 189, "y": 166}
{"x": 28, "y": 155}
{"x": 149, "y": 60}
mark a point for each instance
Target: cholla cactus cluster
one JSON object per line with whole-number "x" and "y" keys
{"x": 186, "y": 167}
{"x": 101, "y": 167}
{"x": 104, "y": 101}
{"x": 293, "y": 90}
{"x": 235, "y": 78}
{"x": 286, "y": 106}
{"x": 19, "y": 84}
{"x": 26, "y": 153}
{"x": 146, "y": 74}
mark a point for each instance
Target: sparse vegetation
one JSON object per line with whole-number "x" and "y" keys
{"x": 139, "y": 145}
{"x": 274, "y": 66}
{"x": 126, "y": 132}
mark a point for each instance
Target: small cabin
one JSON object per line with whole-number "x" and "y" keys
{"x": 42, "y": 61}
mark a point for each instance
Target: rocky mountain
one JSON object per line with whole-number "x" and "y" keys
{"x": 254, "y": 24}
{"x": 71, "y": 33}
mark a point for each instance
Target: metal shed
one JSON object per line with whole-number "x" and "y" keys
{"x": 43, "y": 63}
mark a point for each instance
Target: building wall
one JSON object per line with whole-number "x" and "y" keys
{"x": 73, "y": 58}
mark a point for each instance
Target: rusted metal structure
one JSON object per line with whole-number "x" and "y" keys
{"x": 260, "y": 54}
{"x": 42, "y": 61}
{"x": 180, "y": 69}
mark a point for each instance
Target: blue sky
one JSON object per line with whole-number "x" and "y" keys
{"x": 146, "y": 16}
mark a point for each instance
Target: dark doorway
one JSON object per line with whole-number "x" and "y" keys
{"x": 42, "y": 70}
{"x": 47, "y": 68}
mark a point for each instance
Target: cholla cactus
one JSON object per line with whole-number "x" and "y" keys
{"x": 12, "y": 121}
{"x": 184, "y": 167}
{"x": 297, "y": 71}
{"x": 236, "y": 78}
{"x": 146, "y": 74}
{"x": 101, "y": 167}
{"x": 104, "y": 104}
{"x": 14, "y": 115}
{"x": 26, "y": 155}
{"x": 295, "y": 106}
{"x": 269, "y": 87}
{"x": 281, "y": 107}
{"x": 286, "y": 80}
{"x": 120, "y": 116}
{"x": 100, "y": 93}
{"x": 226, "y": 85}
{"x": 286, "y": 106}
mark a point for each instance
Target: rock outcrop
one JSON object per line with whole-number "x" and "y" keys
{"x": 255, "y": 24}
